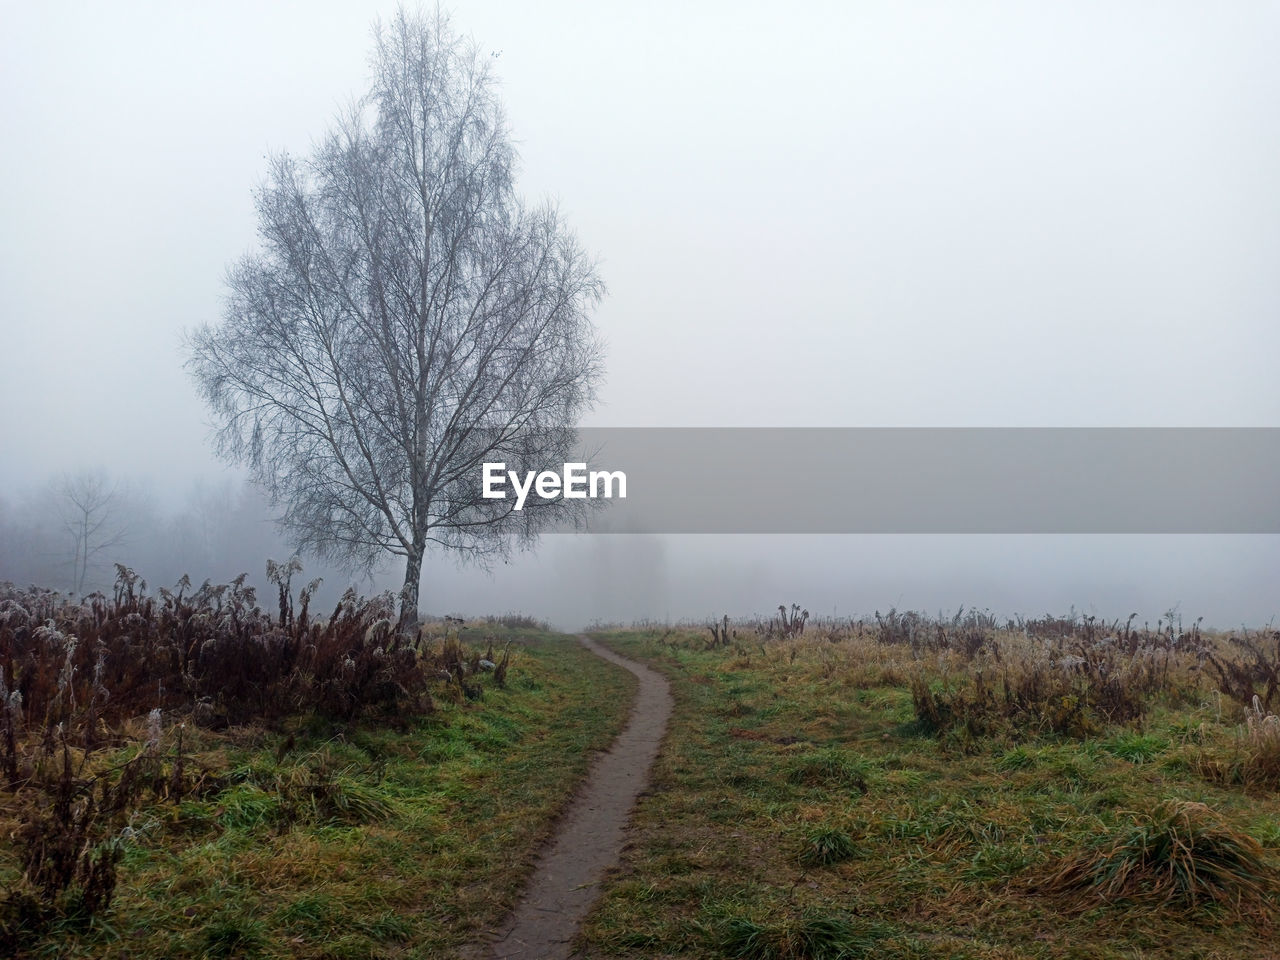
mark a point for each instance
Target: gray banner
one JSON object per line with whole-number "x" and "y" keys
{"x": 926, "y": 480}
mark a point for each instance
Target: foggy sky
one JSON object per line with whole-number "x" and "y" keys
{"x": 870, "y": 214}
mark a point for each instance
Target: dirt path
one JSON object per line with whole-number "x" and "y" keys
{"x": 589, "y": 839}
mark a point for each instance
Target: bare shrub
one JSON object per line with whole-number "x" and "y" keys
{"x": 1068, "y": 690}
{"x": 211, "y": 650}
{"x": 1255, "y": 674}
{"x": 1256, "y": 759}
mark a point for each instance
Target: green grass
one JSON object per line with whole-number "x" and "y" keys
{"x": 362, "y": 841}
{"x": 1181, "y": 855}
{"x": 809, "y": 938}
{"x": 797, "y": 810}
{"x": 1136, "y": 747}
{"x": 829, "y": 769}
{"x": 824, "y": 846}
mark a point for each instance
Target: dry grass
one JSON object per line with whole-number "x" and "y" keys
{"x": 802, "y": 938}
{"x": 319, "y": 837}
{"x": 1253, "y": 760}
{"x": 1181, "y": 855}
{"x": 800, "y": 781}
{"x": 1263, "y": 763}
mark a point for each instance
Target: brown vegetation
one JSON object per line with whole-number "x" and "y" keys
{"x": 76, "y": 677}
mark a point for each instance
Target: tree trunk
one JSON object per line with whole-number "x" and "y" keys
{"x": 409, "y": 592}
{"x": 82, "y": 555}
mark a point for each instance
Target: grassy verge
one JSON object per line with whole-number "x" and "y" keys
{"x": 802, "y": 809}
{"x": 318, "y": 840}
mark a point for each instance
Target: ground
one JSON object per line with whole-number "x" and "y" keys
{"x": 797, "y": 788}
{"x": 419, "y": 842}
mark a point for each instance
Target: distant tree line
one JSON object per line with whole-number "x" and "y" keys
{"x": 68, "y": 533}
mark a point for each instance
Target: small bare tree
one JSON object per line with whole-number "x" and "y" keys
{"x": 406, "y": 319}
{"x": 89, "y": 506}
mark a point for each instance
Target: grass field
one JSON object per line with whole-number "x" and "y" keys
{"x": 814, "y": 801}
{"x": 908, "y": 788}
{"x": 356, "y": 840}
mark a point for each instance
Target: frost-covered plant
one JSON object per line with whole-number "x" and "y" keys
{"x": 154, "y": 729}
{"x": 1262, "y": 764}
{"x": 1263, "y": 725}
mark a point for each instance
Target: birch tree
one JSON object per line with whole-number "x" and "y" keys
{"x": 89, "y": 506}
{"x": 405, "y": 318}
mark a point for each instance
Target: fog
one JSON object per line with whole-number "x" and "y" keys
{"x": 880, "y": 214}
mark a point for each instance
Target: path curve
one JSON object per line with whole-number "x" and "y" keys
{"x": 590, "y": 836}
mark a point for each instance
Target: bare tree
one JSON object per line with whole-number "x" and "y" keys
{"x": 406, "y": 319}
{"x": 90, "y": 506}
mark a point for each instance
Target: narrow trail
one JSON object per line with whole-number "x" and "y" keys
{"x": 589, "y": 839}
